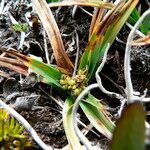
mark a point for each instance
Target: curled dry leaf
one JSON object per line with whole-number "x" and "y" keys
{"x": 142, "y": 41}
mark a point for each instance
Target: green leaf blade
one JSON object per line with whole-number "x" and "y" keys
{"x": 50, "y": 1}
{"x": 50, "y": 74}
{"x": 145, "y": 27}
{"x": 105, "y": 33}
{"x": 97, "y": 115}
{"x": 130, "y": 131}
{"x": 68, "y": 124}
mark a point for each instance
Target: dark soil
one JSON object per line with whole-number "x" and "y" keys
{"x": 47, "y": 120}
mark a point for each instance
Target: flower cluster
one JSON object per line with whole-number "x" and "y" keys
{"x": 74, "y": 84}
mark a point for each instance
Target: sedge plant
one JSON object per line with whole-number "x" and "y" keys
{"x": 131, "y": 124}
{"x": 60, "y": 77}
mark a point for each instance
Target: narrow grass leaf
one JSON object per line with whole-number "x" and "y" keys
{"x": 93, "y": 3}
{"x": 105, "y": 33}
{"x": 50, "y": 1}
{"x": 97, "y": 115}
{"x": 12, "y": 124}
{"x": 134, "y": 17}
{"x": 68, "y": 124}
{"x": 17, "y": 127}
{"x": 145, "y": 27}
{"x": 96, "y": 19}
{"x": 50, "y": 74}
{"x": 129, "y": 133}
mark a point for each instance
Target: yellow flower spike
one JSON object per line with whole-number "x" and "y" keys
{"x": 74, "y": 87}
{"x": 62, "y": 82}
{"x": 71, "y": 82}
{"x": 69, "y": 87}
{"x": 65, "y": 87}
{"x": 76, "y": 84}
{"x": 63, "y": 76}
{"x": 82, "y": 77}
{"x": 76, "y": 92}
{"x": 67, "y": 78}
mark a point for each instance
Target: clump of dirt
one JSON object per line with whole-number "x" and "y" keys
{"x": 48, "y": 124}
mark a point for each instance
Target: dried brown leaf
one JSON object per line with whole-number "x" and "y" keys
{"x": 96, "y": 19}
{"x": 142, "y": 41}
{"x": 93, "y": 3}
{"x": 3, "y": 74}
{"x": 50, "y": 25}
{"x": 10, "y": 66}
{"x": 13, "y": 64}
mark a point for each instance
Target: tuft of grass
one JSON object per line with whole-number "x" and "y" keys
{"x": 11, "y": 133}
